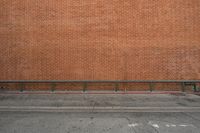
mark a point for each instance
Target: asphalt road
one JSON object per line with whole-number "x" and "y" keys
{"x": 33, "y": 122}
{"x": 84, "y": 113}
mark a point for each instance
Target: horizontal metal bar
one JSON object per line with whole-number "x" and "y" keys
{"x": 100, "y": 81}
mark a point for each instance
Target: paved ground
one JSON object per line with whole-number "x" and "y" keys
{"x": 100, "y": 100}
{"x": 138, "y": 121}
{"x": 99, "y": 122}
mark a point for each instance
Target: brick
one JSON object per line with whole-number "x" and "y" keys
{"x": 100, "y": 40}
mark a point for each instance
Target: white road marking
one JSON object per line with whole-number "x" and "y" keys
{"x": 180, "y": 125}
{"x": 153, "y": 124}
{"x": 170, "y": 125}
{"x": 133, "y": 125}
{"x": 185, "y": 125}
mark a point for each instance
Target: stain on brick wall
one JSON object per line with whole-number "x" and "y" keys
{"x": 99, "y": 39}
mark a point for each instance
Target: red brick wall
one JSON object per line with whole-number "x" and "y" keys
{"x": 99, "y": 39}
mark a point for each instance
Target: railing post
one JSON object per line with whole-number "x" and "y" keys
{"x": 151, "y": 85}
{"x": 116, "y": 87}
{"x": 195, "y": 87}
{"x": 53, "y": 87}
{"x": 84, "y": 86}
{"x": 183, "y": 86}
{"x": 22, "y": 86}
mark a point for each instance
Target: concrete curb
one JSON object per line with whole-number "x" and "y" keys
{"x": 96, "y": 109}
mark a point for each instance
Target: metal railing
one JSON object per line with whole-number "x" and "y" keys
{"x": 100, "y": 81}
{"x": 85, "y": 83}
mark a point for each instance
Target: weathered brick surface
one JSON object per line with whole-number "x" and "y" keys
{"x": 99, "y": 39}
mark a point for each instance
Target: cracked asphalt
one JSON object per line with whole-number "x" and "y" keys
{"x": 24, "y": 122}
{"x": 12, "y": 121}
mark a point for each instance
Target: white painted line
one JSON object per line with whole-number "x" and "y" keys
{"x": 133, "y": 125}
{"x": 153, "y": 124}
{"x": 170, "y": 125}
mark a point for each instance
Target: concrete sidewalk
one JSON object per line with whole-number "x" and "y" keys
{"x": 100, "y": 103}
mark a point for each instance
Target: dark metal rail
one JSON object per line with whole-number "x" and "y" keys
{"x": 100, "y": 81}
{"x": 151, "y": 83}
